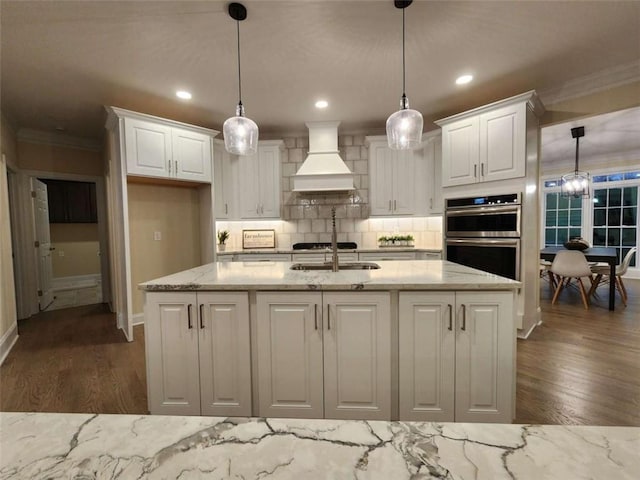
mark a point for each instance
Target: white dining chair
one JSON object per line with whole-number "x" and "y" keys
{"x": 569, "y": 264}
{"x": 602, "y": 274}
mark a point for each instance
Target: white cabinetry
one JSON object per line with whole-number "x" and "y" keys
{"x": 155, "y": 149}
{"x": 259, "y": 181}
{"x": 375, "y": 256}
{"x": 225, "y": 167}
{"x": 488, "y": 143}
{"x": 398, "y": 180}
{"x": 432, "y": 154}
{"x": 198, "y": 353}
{"x": 324, "y": 355}
{"x": 457, "y": 356}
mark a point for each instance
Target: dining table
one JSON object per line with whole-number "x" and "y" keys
{"x": 594, "y": 254}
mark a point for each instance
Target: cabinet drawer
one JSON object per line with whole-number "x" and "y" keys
{"x": 262, "y": 257}
{"x": 387, "y": 256}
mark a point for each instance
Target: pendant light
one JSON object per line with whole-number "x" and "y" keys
{"x": 576, "y": 184}
{"x": 404, "y": 128}
{"x": 240, "y": 133}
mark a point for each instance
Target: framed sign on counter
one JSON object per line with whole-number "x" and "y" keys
{"x": 258, "y": 239}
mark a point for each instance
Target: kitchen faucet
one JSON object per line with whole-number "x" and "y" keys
{"x": 335, "y": 267}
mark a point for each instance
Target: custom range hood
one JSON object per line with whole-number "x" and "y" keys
{"x": 323, "y": 170}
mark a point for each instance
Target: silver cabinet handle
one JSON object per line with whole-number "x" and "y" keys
{"x": 328, "y": 317}
{"x": 475, "y": 171}
{"x": 169, "y": 162}
{"x": 201, "y": 316}
{"x": 226, "y": 208}
{"x": 394, "y": 206}
{"x": 189, "y": 324}
{"x": 315, "y": 314}
{"x": 464, "y": 317}
{"x": 482, "y": 169}
{"x": 450, "y": 317}
{"x": 176, "y": 167}
{"x": 431, "y": 203}
{"x": 389, "y": 205}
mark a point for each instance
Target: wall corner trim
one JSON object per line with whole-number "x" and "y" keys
{"x": 7, "y": 342}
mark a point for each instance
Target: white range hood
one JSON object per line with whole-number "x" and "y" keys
{"x": 323, "y": 170}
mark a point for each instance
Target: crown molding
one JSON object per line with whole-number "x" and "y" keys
{"x": 42, "y": 137}
{"x": 593, "y": 83}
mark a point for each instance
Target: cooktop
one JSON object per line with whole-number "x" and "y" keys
{"x": 324, "y": 245}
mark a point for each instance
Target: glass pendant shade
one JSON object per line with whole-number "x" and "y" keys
{"x": 240, "y": 134}
{"x": 404, "y": 127}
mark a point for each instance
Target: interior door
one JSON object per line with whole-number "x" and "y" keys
{"x": 42, "y": 243}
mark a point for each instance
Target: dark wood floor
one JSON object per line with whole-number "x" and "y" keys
{"x": 578, "y": 367}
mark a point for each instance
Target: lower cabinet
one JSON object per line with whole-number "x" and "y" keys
{"x": 198, "y": 353}
{"x": 456, "y": 356}
{"x": 324, "y": 355}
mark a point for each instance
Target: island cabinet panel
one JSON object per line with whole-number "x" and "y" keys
{"x": 456, "y": 356}
{"x": 324, "y": 355}
{"x": 289, "y": 341}
{"x": 357, "y": 356}
{"x": 427, "y": 356}
{"x": 198, "y": 353}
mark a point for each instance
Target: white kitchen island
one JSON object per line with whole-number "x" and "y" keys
{"x": 412, "y": 340}
{"x": 83, "y": 446}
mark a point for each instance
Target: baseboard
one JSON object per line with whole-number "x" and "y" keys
{"x": 137, "y": 319}
{"x": 526, "y": 334}
{"x": 7, "y": 342}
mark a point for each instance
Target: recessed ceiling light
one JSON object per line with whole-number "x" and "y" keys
{"x": 183, "y": 94}
{"x": 461, "y": 80}
{"x": 322, "y": 104}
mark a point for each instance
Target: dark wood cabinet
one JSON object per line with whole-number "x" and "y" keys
{"x": 71, "y": 202}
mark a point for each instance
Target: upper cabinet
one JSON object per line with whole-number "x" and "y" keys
{"x": 225, "y": 174}
{"x": 259, "y": 181}
{"x": 487, "y": 143}
{"x": 432, "y": 155}
{"x": 398, "y": 179}
{"x": 160, "y": 148}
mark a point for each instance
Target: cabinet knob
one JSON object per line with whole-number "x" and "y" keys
{"x": 395, "y": 207}
{"x": 189, "y": 324}
{"x": 475, "y": 171}
{"x": 482, "y": 169}
{"x": 201, "y": 315}
{"x": 450, "y": 317}
{"x": 464, "y": 317}
{"x": 328, "y": 317}
{"x": 389, "y": 205}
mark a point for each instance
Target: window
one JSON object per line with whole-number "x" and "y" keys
{"x": 615, "y": 219}
{"x": 563, "y": 219}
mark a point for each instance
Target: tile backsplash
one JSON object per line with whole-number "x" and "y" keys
{"x": 307, "y": 217}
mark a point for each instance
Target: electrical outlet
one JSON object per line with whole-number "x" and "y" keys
{"x": 61, "y": 253}
{"x": 157, "y": 235}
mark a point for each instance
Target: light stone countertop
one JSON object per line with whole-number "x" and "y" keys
{"x": 393, "y": 275}
{"x": 328, "y": 250}
{"x": 84, "y": 446}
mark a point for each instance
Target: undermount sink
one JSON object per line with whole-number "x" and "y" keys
{"x": 342, "y": 266}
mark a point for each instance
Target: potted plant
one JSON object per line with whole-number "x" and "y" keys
{"x": 223, "y": 235}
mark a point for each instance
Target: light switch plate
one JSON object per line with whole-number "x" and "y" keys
{"x": 157, "y": 235}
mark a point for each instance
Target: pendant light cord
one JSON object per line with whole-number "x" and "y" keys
{"x": 577, "y": 152}
{"x": 403, "y": 60}
{"x": 239, "y": 78}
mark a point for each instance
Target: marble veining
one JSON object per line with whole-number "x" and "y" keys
{"x": 81, "y": 446}
{"x": 393, "y": 275}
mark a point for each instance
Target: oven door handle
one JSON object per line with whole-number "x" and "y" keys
{"x": 506, "y": 242}
{"x": 491, "y": 210}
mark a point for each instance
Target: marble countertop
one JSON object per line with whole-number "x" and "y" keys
{"x": 393, "y": 275}
{"x": 328, "y": 250}
{"x": 84, "y": 446}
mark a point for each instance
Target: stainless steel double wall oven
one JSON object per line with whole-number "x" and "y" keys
{"x": 484, "y": 233}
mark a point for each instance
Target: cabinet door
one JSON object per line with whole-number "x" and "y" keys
{"x": 224, "y": 182}
{"x": 503, "y": 143}
{"x": 460, "y": 152}
{"x": 191, "y": 155}
{"x": 225, "y": 354}
{"x": 381, "y": 179}
{"x": 269, "y": 181}
{"x": 427, "y": 356}
{"x": 249, "y": 182}
{"x": 404, "y": 182}
{"x": 357, "y": 355}
{"x": 171, "y": 338}
{"x": 436, "y": 202}
{"x": 485, "y": 357}
{"x": 148, "y": 148}
{"x": 289, "y": 342}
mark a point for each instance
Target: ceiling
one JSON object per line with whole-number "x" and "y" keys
{"x": 63, "y": 61}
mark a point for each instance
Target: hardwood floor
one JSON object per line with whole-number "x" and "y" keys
{"x": 579, "y": 367}
{"x": 74, "y": 360}
{"x": 582, "y": 367}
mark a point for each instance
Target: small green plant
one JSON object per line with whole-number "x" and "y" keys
{"x": 223, "y": 235}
